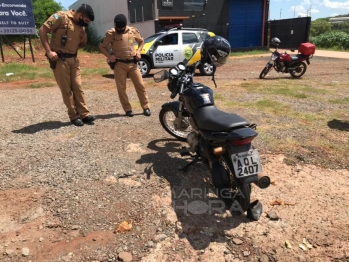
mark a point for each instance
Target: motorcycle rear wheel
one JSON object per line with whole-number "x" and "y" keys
{"x": 265, "y": 71}
{"x": 168, "y": 120}
{"x": 243, "y": 197}
{"x": 300, "y": 70}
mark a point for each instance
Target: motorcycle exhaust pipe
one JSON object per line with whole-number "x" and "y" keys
{"x": 263, "y": 181}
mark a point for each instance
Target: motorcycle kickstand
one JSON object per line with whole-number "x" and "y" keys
{"x": 194, "y": 161}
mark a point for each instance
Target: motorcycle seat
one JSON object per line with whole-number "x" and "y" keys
{"x": 212, "y": 119}
{"x": 297, "y": 57}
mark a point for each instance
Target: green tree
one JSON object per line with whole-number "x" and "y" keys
{"x": 92, "y": 40}
{"x": 341, "y": 26}
{"x": 43, "y": 9}
{"x": 319, "y": 27}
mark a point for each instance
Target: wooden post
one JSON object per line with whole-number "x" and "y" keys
{"x": 2, "y": 52}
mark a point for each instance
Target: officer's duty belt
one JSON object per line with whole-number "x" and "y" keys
{"x": 65, "y": 55}
{"x": 125, "y": 61}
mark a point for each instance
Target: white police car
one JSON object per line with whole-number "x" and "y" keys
{"x": 169, "y": 47}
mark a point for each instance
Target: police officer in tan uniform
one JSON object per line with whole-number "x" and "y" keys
{"x": 68, "y": 34}
{"x": 122, "y": 39}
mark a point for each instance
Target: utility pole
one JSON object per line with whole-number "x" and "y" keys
{"x": 156, "y": 13}
{"x": 310, "y": 10}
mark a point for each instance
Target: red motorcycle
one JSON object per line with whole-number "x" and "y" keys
{"x": 284, "y": 63}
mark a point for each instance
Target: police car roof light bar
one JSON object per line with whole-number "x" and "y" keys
{"x": 188, "y": 29}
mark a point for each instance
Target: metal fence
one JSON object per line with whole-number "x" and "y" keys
{"x": 291, "y": 32}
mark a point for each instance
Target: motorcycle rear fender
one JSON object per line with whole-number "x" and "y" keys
{"x": 216, "y": 175}
{"x": 248, "y": 179}
{"x": 174, "y": 106}
{"x": 308, "y": 62}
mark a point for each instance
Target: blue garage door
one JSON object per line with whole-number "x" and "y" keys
{"x": 245, "y": 23}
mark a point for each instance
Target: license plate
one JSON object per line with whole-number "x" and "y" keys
{"x": 246, "y": 163}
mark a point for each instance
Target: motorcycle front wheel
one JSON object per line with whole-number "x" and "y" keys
{"x": 168, "y": 120}
{"x": 265, "y": 71}
{"x": 300, "y": 70}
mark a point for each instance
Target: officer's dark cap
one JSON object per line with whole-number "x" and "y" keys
{"x": 120, "y": 21}
{"x": 86, "y": 10}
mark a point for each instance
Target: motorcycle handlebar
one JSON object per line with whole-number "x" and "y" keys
{"x": 184, "y": 77}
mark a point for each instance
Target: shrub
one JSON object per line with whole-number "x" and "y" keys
{"x": 338, "y": 40}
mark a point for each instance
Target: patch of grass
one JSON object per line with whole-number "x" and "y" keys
{"x": 288, "y": 143}
{"x": 95, "y": 71}
{"x": 230, "y": 104}
{"x": 218, "y": 96}
{"x": 268, "y": 105}
{"x": 23, "y": 72}
{"x": 309, "y": 117}
{"x": 32, "y": 75}
{"x": 101, "y": 60}
{"x": 344, "y": 100}
{"x": 41, "y": 84}
{"x": 36, "y": 85}
{"x": 284, "y": 89}
{"x": 46, "y": 74}
{"x": 268, "y": 139}
{"x": 313, "y": 90}
{"x": 252, "y": 52}
{"x": 49, "y": 84}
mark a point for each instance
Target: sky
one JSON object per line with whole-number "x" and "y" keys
{"x": 284, "y": 9}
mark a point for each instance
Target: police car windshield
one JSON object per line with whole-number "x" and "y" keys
{"x": 204, "y": 36}
{"x": 151, "y": 38}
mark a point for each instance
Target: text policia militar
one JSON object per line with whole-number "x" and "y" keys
{"x": 159, "y": 57}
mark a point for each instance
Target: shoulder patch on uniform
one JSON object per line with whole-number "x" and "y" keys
{"x": 56, "y": 16}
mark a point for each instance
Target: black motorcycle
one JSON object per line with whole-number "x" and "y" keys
{"x": 220, "y": 140}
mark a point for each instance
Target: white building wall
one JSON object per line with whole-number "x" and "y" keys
{"x": 106, "y": 10}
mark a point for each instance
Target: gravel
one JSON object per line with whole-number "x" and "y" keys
{"x": 64, "y": 189}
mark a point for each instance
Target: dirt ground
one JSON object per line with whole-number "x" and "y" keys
{"x": 64, "y": 189}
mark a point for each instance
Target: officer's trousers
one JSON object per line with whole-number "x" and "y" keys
{"x": 121, "y": 71}
{"x": 68, "y": 78}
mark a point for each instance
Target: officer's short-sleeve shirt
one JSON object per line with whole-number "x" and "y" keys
{"x": 62, "y": 23}
{"x": 123, "y": 46}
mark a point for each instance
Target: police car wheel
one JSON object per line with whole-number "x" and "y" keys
{"x": 144, "y": 67}
{"x": 207, "y": 69}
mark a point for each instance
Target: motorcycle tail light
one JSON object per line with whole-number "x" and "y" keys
{"x": 243, "y": 141}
